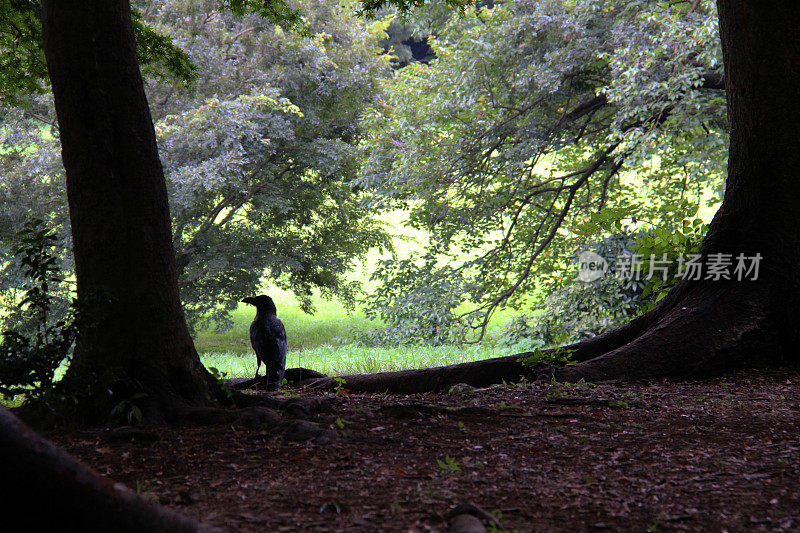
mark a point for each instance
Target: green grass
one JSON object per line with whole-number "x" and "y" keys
{"x": 326, "y": 341}
{"x": 331, "y": 324}
{"x": 354, "y": 358}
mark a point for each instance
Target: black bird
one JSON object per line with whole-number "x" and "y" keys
{"x": 268, "y": 337}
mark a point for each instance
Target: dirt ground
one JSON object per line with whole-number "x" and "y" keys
{"x": 716, "y": 455}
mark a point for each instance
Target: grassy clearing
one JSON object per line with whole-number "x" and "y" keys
{"x": 355, "y": 358}
{"x": 326, "y": 341}
{"x": 331, "y": 324}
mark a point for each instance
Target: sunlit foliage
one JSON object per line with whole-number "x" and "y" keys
{"x": 535, "y": 115}
{"x": 258, "y": 152}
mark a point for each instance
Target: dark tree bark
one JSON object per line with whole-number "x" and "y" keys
{"x": 135, "y": 338}
{"x": 476, "y": 373}
{"x": 69, "y": 495}
{"x": 708, "y": 327}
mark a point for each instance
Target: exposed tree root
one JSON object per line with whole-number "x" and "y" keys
{"x": 456, "y": 516}
{"x": 710, "y": 331}
{"x": 292, "y": 406}
{"x": 476, "y": 374}
{"x": 258, "y": 412}
{"x": 700, "y": 329}
{"x": 292, "y": 375}
{"x": 40, "y": 476}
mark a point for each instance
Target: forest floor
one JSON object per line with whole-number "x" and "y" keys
{"x": 715, "y": 455}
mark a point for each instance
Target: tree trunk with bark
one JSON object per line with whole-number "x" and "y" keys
{"x": 707, "y": 327}
{"x": 134, "y": 345}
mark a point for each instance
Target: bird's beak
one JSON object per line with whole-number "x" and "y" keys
{"x": 249, "y": 300}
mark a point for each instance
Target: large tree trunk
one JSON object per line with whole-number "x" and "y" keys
{"x": 707, "y": 327}
{"x": 135, "y": 338}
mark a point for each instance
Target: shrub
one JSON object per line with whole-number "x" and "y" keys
{"x": 29, "y": 356}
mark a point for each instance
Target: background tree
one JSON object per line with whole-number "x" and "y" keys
{"x": 548, "y": 106}
{"x": 258, "y": 152}
{"x": 260, "y": 180}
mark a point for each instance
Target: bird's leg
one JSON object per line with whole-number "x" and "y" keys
{"x": 257, "y": 367}
{"x": 266, "y": 375}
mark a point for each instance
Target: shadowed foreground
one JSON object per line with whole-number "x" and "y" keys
{"x": 697, "y": 456}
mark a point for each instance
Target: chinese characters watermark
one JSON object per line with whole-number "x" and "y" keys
{"x": 634, "y": 267}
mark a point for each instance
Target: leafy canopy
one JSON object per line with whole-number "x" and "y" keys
{"x": 22, "y": 62}
{"x": 535, "y": 115}
{"x": 259, "y": 154}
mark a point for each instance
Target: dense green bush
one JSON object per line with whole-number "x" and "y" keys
{"x": 29, "y": 357}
